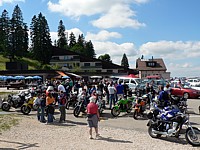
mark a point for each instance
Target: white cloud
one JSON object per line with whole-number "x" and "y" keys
{"x": 114, "y": 13}
{"x": 170, "y": 49}
{"x": 76, "y": 31}
{"x": 10, "y": 1}
{"x": 118, "y": 16}
{"x": 102, "y": 36}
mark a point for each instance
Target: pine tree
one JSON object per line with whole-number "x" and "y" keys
{"x": 19, "y": 35}
{"x": 72, "y": 40}
{"x": 41, "y": 46}
{"x": 62, "y": 40}
{"x": 124, "y": 62}
{"x": 89, "y": 49}
{"x": 4, "y": 33}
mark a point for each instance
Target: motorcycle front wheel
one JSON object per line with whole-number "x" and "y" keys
{"x": 67, "y": 105}
{"x": 115, "y": 112}
{"x": 153, "y": 135}
{"x": 25, "y": 109}
{"x": 193, "y": 139}
{"x": 5, "y": 107}
{"x": 77, "y": 110}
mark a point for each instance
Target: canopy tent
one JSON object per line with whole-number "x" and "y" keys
{"x": 65, "y": 77}
{"x": 37, "y": 77}
{"x": 29, "y": 78}
{"x": 19, "y": 77}
{"x": 3, "y": 78}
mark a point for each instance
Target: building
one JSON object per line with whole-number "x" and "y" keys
{"x": 152, "y": 67}
{"x": 74, "y": 62}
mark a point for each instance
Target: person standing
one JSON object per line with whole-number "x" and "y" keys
{"x": 93, "y": 117}
{"x": 61, "y": 105}
{"x": 37, "y": 103}
{"x": 111, "y": 90}
{"x": 119, "y": 91}
{"x": 50, "y": 100}
{"x": 43, "y": 105}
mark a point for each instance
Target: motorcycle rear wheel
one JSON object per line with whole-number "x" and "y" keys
{"x": 5, "y": 107}
{"x": 192, "y": 139}
{"x": 25, "y": 109}
{"x": 135, "y": 114}
{"x": 67, "y": 105}
{"x": 150, "y": 131}
{"x": 115, "y": 112}
{"x": 77, "y": 110}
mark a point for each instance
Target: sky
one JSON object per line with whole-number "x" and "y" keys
{"x": 167, "y": 29}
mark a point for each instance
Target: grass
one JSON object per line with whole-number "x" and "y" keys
{"x": 32, "y": 64}
{"x": 7, "y": 121}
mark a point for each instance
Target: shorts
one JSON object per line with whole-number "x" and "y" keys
{"x": 93, "y": 121}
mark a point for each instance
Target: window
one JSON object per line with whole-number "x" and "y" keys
{"x": 132, "y": 81}
{"x": 86, "y": 64}
{"x": 151, "y": 64}
{"x": 98, "y": 64}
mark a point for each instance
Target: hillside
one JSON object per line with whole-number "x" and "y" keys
{"x": 32, "y": 64}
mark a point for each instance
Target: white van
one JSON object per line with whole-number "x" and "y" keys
{"x": 131, "y": 82}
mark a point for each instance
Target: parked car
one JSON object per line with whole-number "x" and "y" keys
{"x": 196, "y": 87}
{"x": 131, "y": 82}
{"x": 193, "y": 82}
{"x": 186, "y": 92}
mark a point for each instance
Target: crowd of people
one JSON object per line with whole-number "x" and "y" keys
{"x": 58, "y": 92}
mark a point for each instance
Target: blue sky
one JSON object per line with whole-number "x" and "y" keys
{"x": 168, "y": 29}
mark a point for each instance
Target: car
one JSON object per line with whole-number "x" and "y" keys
{"x": 193, "y": 82}
{"x": 131, "y": 82}
{"x": 186, "y": 92}
{"x": 196, "y": 87}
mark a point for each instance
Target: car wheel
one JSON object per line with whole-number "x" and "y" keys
{"x": 186, "y": 95}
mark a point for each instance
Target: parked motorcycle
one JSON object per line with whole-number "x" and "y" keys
{"x": 15, "y": 101}
{"x": 28, "y": 105}
{"x": 72, "y": 100}
{"x": 80, "y": 106}
{"x": 123, "y": 105}
{"x": 180, "y": 103}
{"x": 101, "y": 104}
{"x": 140, "y": 106}
{"x": 169, "y": 122}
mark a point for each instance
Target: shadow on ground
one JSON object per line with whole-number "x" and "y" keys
{"x": 20, "y": 145}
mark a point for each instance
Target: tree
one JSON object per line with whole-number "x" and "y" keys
{"x": 62, "y": 40}
{"x": 124, "y": 62}
{"x": 105, "y": 57}
{"x": 4, "y": 32}
{"x": 89, "y": 50}
{"x": 41, "y": 46}
{"x": 72, "y": 40}
{"x": 19, "y": 34}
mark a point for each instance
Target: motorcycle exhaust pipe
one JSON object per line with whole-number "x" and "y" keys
{"x": 159, "y": 132}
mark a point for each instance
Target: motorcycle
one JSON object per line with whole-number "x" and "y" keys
{"x": 15, "y": 101}
{"x": 169, "y": 122}
{"x": 139, "y": 107}
{"x": 123, "y": 105}
{"x": 72, "y": 100}
{"x": 28, "y": 105}
{"x": 101, "y": 104}
{"x": 80, "y": 106}
{"x": 180, "y": 103}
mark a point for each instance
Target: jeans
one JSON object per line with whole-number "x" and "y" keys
{"x": 49, "y": 117}
{"x": 62, "y": 113}
{"x": 38, "y": 113}
{"x": 112, "y": 99}
{"x": 42, "y": 119}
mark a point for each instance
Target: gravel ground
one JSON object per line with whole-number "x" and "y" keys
{"x": 33, "y": 135}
